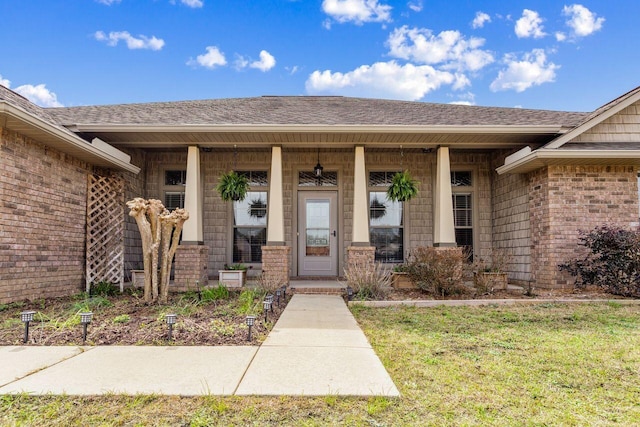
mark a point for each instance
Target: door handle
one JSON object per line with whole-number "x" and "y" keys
{"x": 335, "y": 234}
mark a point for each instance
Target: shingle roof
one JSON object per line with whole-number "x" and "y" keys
{"x": 306, "y": 110}
{"x": 17, "y": 100}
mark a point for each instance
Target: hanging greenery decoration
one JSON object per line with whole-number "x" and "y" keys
{"x": 402, "y": 188}
{"x": 232, "y": 186}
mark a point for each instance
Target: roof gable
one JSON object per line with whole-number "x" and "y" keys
{"x": 616, "y": 121}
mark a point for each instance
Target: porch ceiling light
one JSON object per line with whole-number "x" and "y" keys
{"x": 317, "y": 171}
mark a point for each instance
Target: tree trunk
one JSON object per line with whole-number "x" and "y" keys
{"x": 154, "y": 210}
{"x": 160, "y": 230}
{"x": 171, "y": 229}
{"x": 138, "y": 211}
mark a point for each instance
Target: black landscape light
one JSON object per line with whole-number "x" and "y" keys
{"x": 85, "y": 319}
{"x": 278, "y": 293}
{"x": 284, "y": 292}
{"x": 171, "y": 320}
{"x": 266, "y": 305}
{"x": 26, "y": 317}
{"x": 251, "y": 320}
{"x": 349, "y": 293}
{"x": 269, "y": 298}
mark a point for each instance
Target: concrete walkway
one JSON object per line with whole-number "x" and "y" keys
{"x": 315, "y": 348}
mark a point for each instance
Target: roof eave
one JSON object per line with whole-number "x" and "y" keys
{"x": 64, "y": 140}
{"x": 311, "y": 128}
{"x": 543, "y": 157}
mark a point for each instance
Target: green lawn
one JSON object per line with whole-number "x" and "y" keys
{"x": 525, "y": 365}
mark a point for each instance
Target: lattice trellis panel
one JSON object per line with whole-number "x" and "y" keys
{"x": 105, "y": 230}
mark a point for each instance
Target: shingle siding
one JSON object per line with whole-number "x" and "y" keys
{"x": 511, "y": 223}
{"x": 621, "y": 127}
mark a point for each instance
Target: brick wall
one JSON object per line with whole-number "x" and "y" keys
{"x": 566, "y": 199}
{"x": 42, "y": 220}
{"x": 275, "y": 265}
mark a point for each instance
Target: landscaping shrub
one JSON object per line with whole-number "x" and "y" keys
{"x": 611, "y": 263}
{"x": 214, "y": 294}
{"x": 369, "y": 283}
{"x": 103, "y": 288}
{"x": 437, "y": 271}
{"x": 250, "y": 301}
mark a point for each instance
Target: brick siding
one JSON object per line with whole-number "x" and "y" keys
{"x": 43, "y": 195}
{"x": 566, "y": 199}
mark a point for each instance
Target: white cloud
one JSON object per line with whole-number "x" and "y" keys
{"x": 212, "y": 59}
{"x": 480, "y": 19}
{"x": 581, "y": 20}
{"x": 240, "y": 62}
{"x": 529, "y": 25}
{"x": 108, "y": 2}
{"x": 142, "y": 42}
{"x": 465, "y": 99}
{"x": 449, "y": 48}
{"x": 266, "y": 62}
{"x": 39, "y": 94}
{"x": 381, "y": 80}
{"x": 560, "y": 36}
{"x": 292, "y": 70}
{"x": 415, "y": 5}
{"x": 193, "y": 3}
{"x": 519, "y": 75}
{"x": 357, "y": 11}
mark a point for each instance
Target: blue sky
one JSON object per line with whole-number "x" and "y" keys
{"x": 571, "y": 56}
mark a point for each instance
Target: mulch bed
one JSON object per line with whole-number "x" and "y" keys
{"x": 129, "y": 321}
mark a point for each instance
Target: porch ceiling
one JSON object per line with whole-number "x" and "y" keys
{"x": 300, "y": 139}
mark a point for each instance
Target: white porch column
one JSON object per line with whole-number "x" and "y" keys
{"x": 192, "y": 229}
{"x": 360, "y": 205}
{"x": 275, "y": 219}
{"x": 443, "y": 229}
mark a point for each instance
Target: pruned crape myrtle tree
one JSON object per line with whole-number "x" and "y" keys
{"x": 160, "y": 231}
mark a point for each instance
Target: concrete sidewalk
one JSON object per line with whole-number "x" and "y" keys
{"x": 315, "y": 348}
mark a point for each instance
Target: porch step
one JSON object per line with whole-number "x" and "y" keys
{"x": 322, "y": 287}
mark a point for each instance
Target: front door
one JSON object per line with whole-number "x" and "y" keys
{"x": 317, "y": 233}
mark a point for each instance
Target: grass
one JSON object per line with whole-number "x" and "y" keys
{"x": 552, "y": 364}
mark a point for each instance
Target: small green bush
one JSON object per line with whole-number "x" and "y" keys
{"x": 123, "y": 318}
{"x": 437, "y": 271}
{"x": 219, "y": 292}
{"x": 250, "y": 301}
{"x": 104, "y": 289}
{"x": 612, "y": 261}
